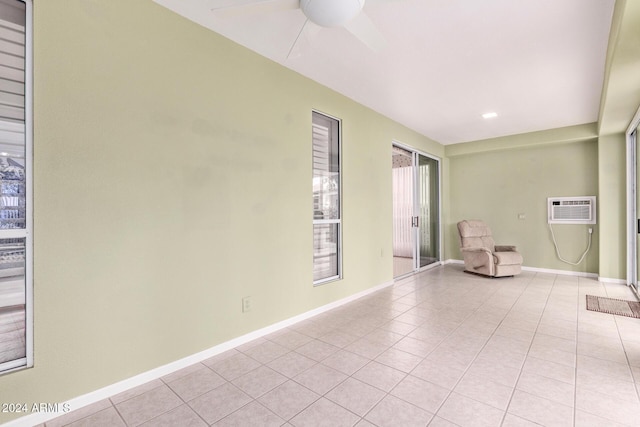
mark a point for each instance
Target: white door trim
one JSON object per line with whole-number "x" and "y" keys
{"x": 632, "y": 196}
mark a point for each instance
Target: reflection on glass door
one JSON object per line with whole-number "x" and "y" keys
{"x": 416, "y": 211}
{"x": 429, "y": 221}
{"x": 634, "y": 142}
{"x": 403, "y": 212}
{"x": 633, "y": 203}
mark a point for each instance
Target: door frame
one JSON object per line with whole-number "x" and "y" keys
{"x": 416, "y": 243}
{"x": 632, "y": 200}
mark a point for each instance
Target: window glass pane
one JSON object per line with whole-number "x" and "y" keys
{"x": 12, "y": 115}
{"x": 12, "y": 192}
{"x": 326, "y": 168}
{"x": 12, "y": 299}
{"x": 326, "y": 197}
{"x": 15, "y": 317}
{"x": 325, "y": 251}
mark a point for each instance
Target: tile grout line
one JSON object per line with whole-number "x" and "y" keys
{"x": 575, "y": 369}
{"x": 184, "y": 402}
{"x": 435, "y": 414}
{"x": 606, "y": 292}
{"x": 318, "y": 362}
{"x": 388, "y": 393}
{"x": 506, "y": 411}
{"x": 320, "y": 396}
{"x": 626, "y": 355}
{"x": 117, "y": 412}
{"x": 406, "y": 374}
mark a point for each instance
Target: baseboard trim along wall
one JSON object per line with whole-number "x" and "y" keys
{"x": 563, "y": 272}
{"x": 552, "y": 271}
{"x": 124, "y": 385}
{"x": 610, "y": 280}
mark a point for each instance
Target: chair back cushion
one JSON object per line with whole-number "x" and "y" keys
{"x": 475, "y": 234}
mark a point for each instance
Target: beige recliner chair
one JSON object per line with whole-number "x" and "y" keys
{"x": 482, "y": 256}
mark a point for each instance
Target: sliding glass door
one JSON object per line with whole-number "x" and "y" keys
{"x": 416, "y": 210}
{"x": 636, "y": 235}
{"x": 404, "y": 237}
{"x": 633, "y": 204}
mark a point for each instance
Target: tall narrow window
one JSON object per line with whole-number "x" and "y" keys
{"x": 326, "y": 199}
{"x": 15, "y": 185}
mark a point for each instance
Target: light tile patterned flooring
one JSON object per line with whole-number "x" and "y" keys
{"x": 442, "y": 348}
{"x": 402, "y": 266}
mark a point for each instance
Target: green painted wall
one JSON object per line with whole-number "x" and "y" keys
{"x": 499, "y": 184}
{"x": 172, "y": 178}
{"x": 619, "y": 102}
{"x": 551, "y": 136}
{"x": 612, "y": 206}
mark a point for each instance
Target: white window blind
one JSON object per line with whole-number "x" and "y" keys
{"x": 12, "y": 61}
{"x": 16, "y": 294}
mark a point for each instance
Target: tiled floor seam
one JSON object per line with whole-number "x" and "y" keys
{"x": 479, "y": 351}
{"x": 506, "y": 410}
{"x": 184, "y": 402}
{"x": 118, "y": 412}
{"x": 302, "y": 385}
{"x": 530, "y": 343}
{"x": 423, "y": 359}
{"x": 320, "y": 396}
{"x": 604, "y": 359}
{"x": 575, "y": 368}
{"x": 626, "y": 354}
{"x": 615, "y": 320}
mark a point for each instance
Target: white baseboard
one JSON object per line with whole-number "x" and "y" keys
{"x": 610, "y": 280}
{"x": 145, "y": 377}
{"x": 563, "y": 272}
{"x": 541, "y": 270}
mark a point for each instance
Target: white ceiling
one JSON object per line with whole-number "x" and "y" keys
{"x": 539, "y": 64}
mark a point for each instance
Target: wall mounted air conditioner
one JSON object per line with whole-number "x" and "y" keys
{"x": 572, "y": 210}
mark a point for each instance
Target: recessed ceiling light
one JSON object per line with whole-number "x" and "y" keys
{"x": 490, "y": 115}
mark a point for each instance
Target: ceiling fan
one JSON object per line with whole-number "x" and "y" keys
{"x": 347, "y": 14}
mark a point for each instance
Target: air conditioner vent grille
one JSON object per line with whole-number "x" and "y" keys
{"x": 572, "y": 210}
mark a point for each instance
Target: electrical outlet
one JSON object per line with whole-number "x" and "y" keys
{"x": 522, "y": 216}
{"x": 246, "y": 304}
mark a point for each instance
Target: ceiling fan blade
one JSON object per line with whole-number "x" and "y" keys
{"x": 365, "y": 30}
{"x": 306, "y": 32}
{"x": 256, "y": 8}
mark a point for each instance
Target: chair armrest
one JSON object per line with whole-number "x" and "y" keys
{"x": 505, "y": 248}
